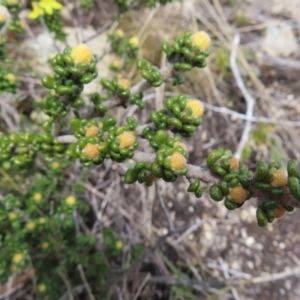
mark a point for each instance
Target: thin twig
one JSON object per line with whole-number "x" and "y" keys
{"x": 232, "y": 272}
{"x": 76, "y": 290}
{"x": 86, "y": 284}
{"x": 191, "y": 229}
{"x": 277, "y": 276}
{"x": 67, "y": 284}
{"x": 148, "y": 212}
{"x": 9, "y": 178}
{"x": 8, "y": 293}
{"x": 233, "y": 113}
{"x": 9, "y": 286}
{"x": 198, "y": 286}
{"x": 79, "y": 30}
{"x": 218, "y": 109}
{"x": 107, "y": 197}
{"x": 15, "y": 282}
{"x": 238, "y": 115}
{"x": 202, "y": 173}
{"x": 67, "y": 139}
{"x": 98, "y": 32}
{"x": 244, "y": 91}
{"x": 144, "y": 282}
{"x": 160, "y": 242}
{"x": 166, "y": 72}
{"x": 224, "y": 268}
{"x": 163, "y": 206}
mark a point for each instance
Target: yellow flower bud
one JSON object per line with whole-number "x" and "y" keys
{"x": 17, "y": 258}
{"x": 200, "y": 39}
{"x": 91, "y": 150}
{"x": 11, "y": 77}
{"x": 234, "y": 163}
{"x": 12, "y": 215}
{"x": 37, "y": 197}
{"x": 119, "y": 245}
{"x": 82, "y": 54}
{"x": 55, "y": 165}
{"x": 238, "y": 194}
{"x": 116, "y": 64}
{"x": 42, "y": 220}
{"x": 41, "y": 287}
{"x": 45, "y": 245}
{"x": 134, "y": 41}
{"x": 126, "y": 139}
{"x": 124, "y": 83}
{"x": 91, "y": 130}
{"x": 279, "y": 179}
{"x": 177, "y": 161}
{"x": 119, "y": 33}
{"x": 30, "y": 225}
{"x": 70, "y": 200}
{"x": 196, "y": 106}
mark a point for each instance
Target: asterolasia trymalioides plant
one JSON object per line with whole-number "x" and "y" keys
{"x": 80, "y": 128}
{"x": 94, "y": 138}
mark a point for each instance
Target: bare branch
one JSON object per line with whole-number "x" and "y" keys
{"x": 167, "y": 72}
{"x": 67, "y": 139}
{"x": 99, "y": 31}
{"x": 163, "y": 206}
{"x": 247, "y": 96}
{"x": 86, "y": 284}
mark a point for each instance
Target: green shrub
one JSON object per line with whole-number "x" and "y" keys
{"x": 38, "y": 223}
